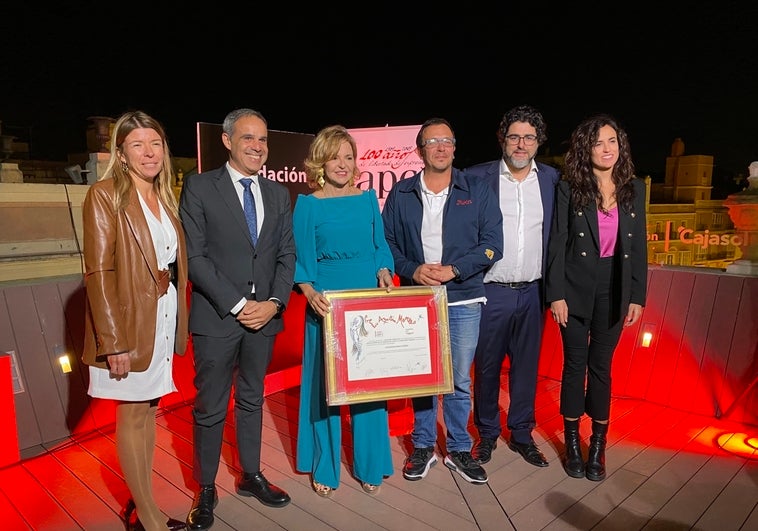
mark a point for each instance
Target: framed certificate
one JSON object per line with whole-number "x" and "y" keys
{"x": 381, "y": 345}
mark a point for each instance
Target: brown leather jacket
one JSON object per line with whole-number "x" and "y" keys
{"x": 123, "y": 282}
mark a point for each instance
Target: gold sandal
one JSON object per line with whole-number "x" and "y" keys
{"x": 368, "y": 488}
{"x": 322, "y": 490}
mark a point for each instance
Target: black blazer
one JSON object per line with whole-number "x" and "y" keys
{"x": 574, "y": 252}
{"x": 223, "y": 264}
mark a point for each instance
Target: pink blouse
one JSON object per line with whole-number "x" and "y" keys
{"x": 609, "y": 225}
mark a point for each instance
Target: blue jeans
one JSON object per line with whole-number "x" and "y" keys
{"x": 456, "y": 406}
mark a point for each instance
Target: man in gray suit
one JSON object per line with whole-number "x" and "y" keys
{"x": 241, "y": 267}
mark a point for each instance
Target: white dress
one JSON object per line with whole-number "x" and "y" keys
{"x": 158, "y": 379}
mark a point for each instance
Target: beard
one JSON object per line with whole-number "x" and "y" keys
{"x": 518, "y": 164}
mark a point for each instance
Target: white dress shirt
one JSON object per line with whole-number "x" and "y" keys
{"x": 521, "y": 205}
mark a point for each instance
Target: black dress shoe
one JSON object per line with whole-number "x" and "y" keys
{"x": 171, "y": 523}
{"x": 129, "y": 514}
{"x": 133, "y": 523}
{"x": 482, "y": 452}
{"x": 529, "y": 452}
{"x": 258, "y": 486}
{"x": 201, "y": 514}
{"x": 176, "y": 525}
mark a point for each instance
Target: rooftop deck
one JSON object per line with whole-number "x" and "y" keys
{"x": 667, "y": 469}
{"x": 683, "y": 439}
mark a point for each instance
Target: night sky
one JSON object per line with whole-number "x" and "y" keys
{"x": 678, "y": 71}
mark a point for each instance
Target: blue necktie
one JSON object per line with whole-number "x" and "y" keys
{"x": 250, "y": 215}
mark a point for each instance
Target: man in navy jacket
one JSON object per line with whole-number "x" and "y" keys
{"x": 445, "y": 228}
{"x": 512, "y": 320}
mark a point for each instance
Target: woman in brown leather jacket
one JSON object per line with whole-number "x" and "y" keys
{"x": 136, "y": 280}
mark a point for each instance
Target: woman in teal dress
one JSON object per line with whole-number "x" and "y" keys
{"x": 339, "y": 237}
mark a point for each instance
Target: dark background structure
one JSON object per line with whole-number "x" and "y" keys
{"x": 669, "y": 70}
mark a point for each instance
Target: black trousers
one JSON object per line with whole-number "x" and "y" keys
{"x": 588, "y": 346}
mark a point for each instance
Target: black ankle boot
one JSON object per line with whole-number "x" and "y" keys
{"x": 574, "y": 464}
{"x": 596, "y": 457}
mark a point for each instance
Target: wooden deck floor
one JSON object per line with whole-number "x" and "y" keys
{"x": 666, "y": 470}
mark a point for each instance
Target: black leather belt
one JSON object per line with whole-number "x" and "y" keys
{"x": 172, "y": 273}
{"x": 167, "y": 276}
{"x": 514, "y": 285}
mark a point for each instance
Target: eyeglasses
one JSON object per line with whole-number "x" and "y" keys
{"x": 445, "y": 142}
{"x": 529, "y": 140}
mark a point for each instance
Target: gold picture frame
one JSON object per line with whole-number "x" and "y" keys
{"x": 381, "y": 345}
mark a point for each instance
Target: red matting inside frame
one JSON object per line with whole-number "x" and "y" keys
{"x": 435, "y": 378}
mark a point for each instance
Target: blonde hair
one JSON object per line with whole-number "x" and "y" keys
{"x": 324, "y": 148}
{"x": 122, "y": 183}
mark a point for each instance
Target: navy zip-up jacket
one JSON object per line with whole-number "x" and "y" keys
{"x": 472, "y": 232}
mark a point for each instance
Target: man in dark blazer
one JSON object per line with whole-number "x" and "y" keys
{"x": 241, "y": 279}
{"x": 513, "y": 317}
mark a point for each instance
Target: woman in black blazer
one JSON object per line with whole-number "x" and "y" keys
{"x": 596, "y": 277}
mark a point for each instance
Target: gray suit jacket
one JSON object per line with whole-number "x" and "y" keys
{"x": 223, "y": 263}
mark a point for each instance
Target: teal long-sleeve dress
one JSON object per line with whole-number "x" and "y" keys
{"x": 340, "y": 244}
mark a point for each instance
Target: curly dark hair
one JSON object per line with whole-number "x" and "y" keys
{"x": 578, "y": 169}
{"x": 523, "y": 113}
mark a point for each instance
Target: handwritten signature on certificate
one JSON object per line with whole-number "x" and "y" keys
{"x": 387, "y": 343}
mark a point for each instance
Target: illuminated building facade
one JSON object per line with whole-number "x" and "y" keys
{"x": 685, "y": 226}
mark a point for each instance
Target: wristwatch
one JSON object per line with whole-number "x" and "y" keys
{"x": 279, "y": 305}
{"x": 456, "y": 272}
